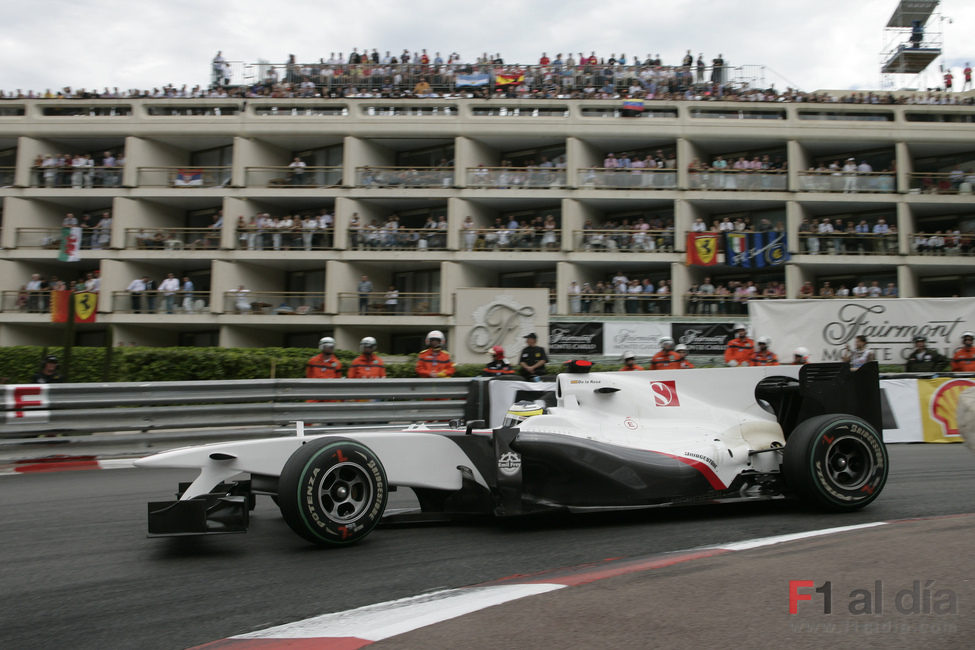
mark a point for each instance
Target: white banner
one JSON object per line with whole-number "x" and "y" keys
{"x": 640, "y": 338}
{"x": 826, "y": 327}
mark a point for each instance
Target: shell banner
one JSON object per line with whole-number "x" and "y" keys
{"x": 939, "y": 407}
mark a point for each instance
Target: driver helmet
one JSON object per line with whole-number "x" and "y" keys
{"x": 666, "y": 343}
{"x": 326, "y": 344}
{"x": 367, "y": 342}
{"x": 435, "y": 334}
{"x": 521, "y": 411}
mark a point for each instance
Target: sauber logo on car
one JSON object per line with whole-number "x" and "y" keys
{"x": 509, "y": 463}
{"x": 664, "y": 393}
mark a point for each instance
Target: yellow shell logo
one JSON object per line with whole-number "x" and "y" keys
{"x": 944, "y": 405}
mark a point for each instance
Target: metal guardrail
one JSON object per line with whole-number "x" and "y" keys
{"x": 70, "y": 409}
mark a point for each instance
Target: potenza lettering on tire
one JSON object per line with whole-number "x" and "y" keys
{"x": 836, "y": 461}
{"x": 333, "y": 491}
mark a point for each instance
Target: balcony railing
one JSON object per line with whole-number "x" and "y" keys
{"x": 543, "y": 178}
{"x": 635, "y": 241}
{"x": 749, "y": 180}
{"x": 848, "y": 182}
{"x": 399, "y": 239}
{"x": 298, "y": 238}
{"x": 172, "y": 238}
{"x": 7, "y": 176}
{"x": 404, "y": 177}
{"x": 620, "y": 304}
{"x": 184, "y": 176}
{"x": 627, "y": 178}
{"x": 386, "y": 304}
{"x": 75, "y": 178}
{"x": 286, "y": 177}
{"x": 696, "y": 304}
{"x": 956, "y": 182}
{"x": 28, "y": 302}
{"x": 159, "y": 302}
{"x": 50, "y": 238}
{"x": 289, "y": 303}
{"x": 844, "y": 243}
{"x": 940, "y": 243}
{"x": 511, "y": 239}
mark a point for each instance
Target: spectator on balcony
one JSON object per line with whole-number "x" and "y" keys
{"x": 874, "y": 290}
{"x": 242, "y": 301}
{"x": 169, "y": 287}
{"x": 549, "y": 233}
{"x": 434, "y": 361}
{"x": 843, "y": 291}
{"x": 890, "y": 291}
{"x": 575, "y": 302}
{"x": 188, "y": 299}
{"x": 296, "y": 171}
{"x": 364, "y": 288}
{"x": 807, "y": 290}
{"x": 137, "y": 289}
{"x": 469, "y": 232}
{"x": 861, "y": 290}
{"x": 109, "y": 176}
{"x": 849, "y": 176}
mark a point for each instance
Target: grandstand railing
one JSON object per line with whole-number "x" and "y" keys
{"x": 631, "y": 240}
{"x": 402, "y": 239}
{"x": 839, "y": 181}
{"x": 620, "y": 304}
{"x": 848, "y": 243}
{"x": 629, "y": 178}
{"x": 297, "y": 238}
{"x": 404, "y": 177}
{"x": 278, "y": 303}
{"x": 516, "y": 178}
{"x": 283, "y": 176}
{"x": 511, "y": 239}
{"x": 172, "y": 238}
{"x": 7, "y": 176}
{"x": 942, "y": 182}
{"x": 80, "y": 178}
{"x": 698, "y": 304}
{"x": 943, "y": 243}
{"x": 379, "y": 303}
{"x": 184, "y": 176}
{"x": 753, "y": 180}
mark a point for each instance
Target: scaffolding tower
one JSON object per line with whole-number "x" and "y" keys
{"x": 912, "y": 41}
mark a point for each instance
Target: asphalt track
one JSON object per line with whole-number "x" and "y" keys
{"x": 79, "y": 572}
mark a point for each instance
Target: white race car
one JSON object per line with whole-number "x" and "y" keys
{"x": 612, "y": 440}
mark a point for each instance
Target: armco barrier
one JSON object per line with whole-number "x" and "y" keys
{"x": 68, "y": 409}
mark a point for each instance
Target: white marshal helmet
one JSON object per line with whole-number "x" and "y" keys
{"x": 326, "y": 344}
{"x": 967, "y": 335}
{"x": 801, "y": 352}
{"x": 666, "y": 343}
{"x": 764, "y": 340}
{"x": 628, "y": 355}
{"x": 740, "y": 326}
{"x": 435, "y": 334}
{"x": 680, "y": 348}
{"x": 367, "y": 342}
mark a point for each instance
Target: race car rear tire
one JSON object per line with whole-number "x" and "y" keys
{"x": 836, "y": 462}
{"x": 333, "y": 491}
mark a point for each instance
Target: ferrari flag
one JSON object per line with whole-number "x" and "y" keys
{"x": 702, "y": 248}
{"x": 755, "y": 250}
{"x": 84, "y": 308}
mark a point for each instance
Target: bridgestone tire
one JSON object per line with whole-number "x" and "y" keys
{"x": 333, "y": 491}
{"x": 836, "y": 462}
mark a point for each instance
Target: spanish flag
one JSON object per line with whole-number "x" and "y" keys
{"x": 509, "y": 78}
{"x": 702, "y": 248}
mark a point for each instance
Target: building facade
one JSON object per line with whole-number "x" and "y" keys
{"x": 296, "y": 218}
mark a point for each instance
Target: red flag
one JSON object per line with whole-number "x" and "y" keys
{"x": 702, "y": 248}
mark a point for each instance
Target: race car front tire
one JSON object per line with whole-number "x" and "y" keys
{"x": 837, "y": 462}
{"x": 333, "y": 491}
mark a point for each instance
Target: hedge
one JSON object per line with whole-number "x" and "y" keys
{"x": 18, "y": 364}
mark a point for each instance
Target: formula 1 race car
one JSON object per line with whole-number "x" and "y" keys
{"x": 612, "y": 440}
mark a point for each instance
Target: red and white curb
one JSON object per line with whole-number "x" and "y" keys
{"x": 64, "y": 464}
{"x": 362, "y": 626}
